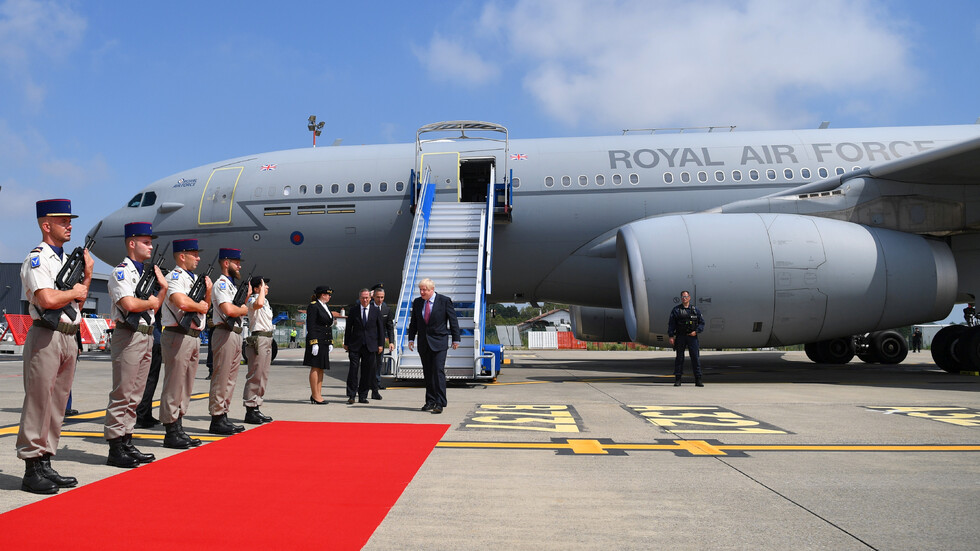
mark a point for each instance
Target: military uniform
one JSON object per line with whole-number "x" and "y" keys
{"x": 132, "y": 353}
{"x": 258, "y": 352}
{"x": 181, "y": 354}
{"x": 682, "y": 322}
{"x": 226, "y": 343}
{"x": 50, "y": 353}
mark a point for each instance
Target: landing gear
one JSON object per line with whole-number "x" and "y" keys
{"x": 957, "y": 348}
{"x": 885, "y": 347}
{"x": 832, "y": 351}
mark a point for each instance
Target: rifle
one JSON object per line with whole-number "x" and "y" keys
{"x": 241, "y": 296}
{"x": 72, "y": 273}
{"x": 196, "y": 294}
{"x": 146, "y": 288}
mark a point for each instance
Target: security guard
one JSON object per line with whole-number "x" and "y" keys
{"x": 226, "y": 341}
{"x": 50, "y": 350}
{"x": 683, "y": 327}
{"x": 132, "y": 346}
{"x": 181, "y": 347}
{"x": 388, "y": 322}
{"x": 258, "y": 351}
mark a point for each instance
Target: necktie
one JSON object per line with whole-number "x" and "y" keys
{"x": 364, "y": 315}
{"x": 428, "y": 308}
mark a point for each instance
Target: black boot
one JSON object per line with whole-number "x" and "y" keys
{"x": 118, "y": 456}
{"x": 34, "y": 479}
{"x": 53, "y": 476}
{"x": 254, "y": 417}
{"x": 135, "y": 453}
{"x": 174, "y": 438}
{"x": 265, "y": 418}
{"x": 677, "y": 380}
{"x": 697, "y": 381}
{"x": 195, "y": 442}
{"x": 221, "y": 425}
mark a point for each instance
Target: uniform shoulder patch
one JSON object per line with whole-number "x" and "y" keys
{"x": 221, "y": 285}
{"x": 120, "y": 275}
{"x": 35, "y": 261}
{"x": 175, "y": 275}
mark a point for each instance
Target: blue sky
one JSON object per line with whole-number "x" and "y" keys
{"x": 98, "y": 99}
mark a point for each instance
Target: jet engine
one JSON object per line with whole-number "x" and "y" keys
{"x": 779, "y": 279}
{"x": 594, "y": 324}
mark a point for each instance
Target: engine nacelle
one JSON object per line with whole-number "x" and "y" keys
{"x": 594, "y": 324}
{"x": 779, "y": 279}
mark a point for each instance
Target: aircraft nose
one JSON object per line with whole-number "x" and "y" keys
{"x": 107, "y": 234}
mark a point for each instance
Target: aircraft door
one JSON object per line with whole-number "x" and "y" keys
{"x": 445, "y": 168}
{"x": 475, "y": 176}
{"x": 218, "y": 196}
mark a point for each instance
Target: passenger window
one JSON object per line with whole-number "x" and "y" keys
{"x": 149, "y": 198}
{"x": 350, "y": 188}
{"x": 617, "y": 179}
{"x": 754, "y": 175}
{"x": 737, "y": 175}
{"x": 856, "y": 168}
{"x": 334, "y": 188}
{"x": 719, "y": 176}
{"x": 399, "y": 186}
{"x": 516, "y": 183}
{"x": 788, "y": 173}
{"x": 566, "y": 181}
{"x": 302, "y": 189}
{"x": 702, "y": 176}
{"x": 318, "y": 189}
{"x": 822, "y": 172}
{"x": 583, "y": 180}
{"x": 668, "y": 178}
{"x": 771, "y": 174}
{"x": 634, "y": 178}
{"x": 685, "y": 177}
{"x": 367, "y": 187}
{"x": 600, "y": 180}
{"x": 135, "y": 201}
{"x": 805, "y": 173}
{"x": 549, "y": 182}
{"x": 839, "y": 171}
{"x": 287, "y": 190}
{"x": 383, "y": 187}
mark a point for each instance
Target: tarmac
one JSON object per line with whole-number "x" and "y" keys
{"x": 588, "y": 450}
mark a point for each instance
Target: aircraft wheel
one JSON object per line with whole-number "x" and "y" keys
{"x": 868, "y": 357}
{"x": 812, "y": 350}
{"x": 836, "y": 351}
{"x": 944, "y": 347}
{"x": 967, "y": 349}
{"x": 890, "y": 347}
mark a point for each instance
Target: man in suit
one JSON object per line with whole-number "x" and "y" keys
{"x": 433, "y": 319}
{"x": 364, "y": 339}
{"x": 388, "y": 321}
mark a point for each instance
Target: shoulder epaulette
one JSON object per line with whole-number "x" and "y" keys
{"x": 35, "y": 250}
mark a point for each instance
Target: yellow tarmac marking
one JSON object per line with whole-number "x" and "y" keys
{"x": 85, "y": 434}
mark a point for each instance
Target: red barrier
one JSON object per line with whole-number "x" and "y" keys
{"x": 87, "y": 337}
{"x": 18, "y": 325}
{"x": 567, "y": 341}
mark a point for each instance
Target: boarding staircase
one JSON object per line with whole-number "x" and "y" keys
{"x": 451, "y": 245}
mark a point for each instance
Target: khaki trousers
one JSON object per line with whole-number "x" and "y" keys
{"x": 131, "y": 355}
{"x": 259, "y": 359}
{"x": 49, "y": 368}
{"x": 227, "y": 348}
{"x": 181, "y": 354}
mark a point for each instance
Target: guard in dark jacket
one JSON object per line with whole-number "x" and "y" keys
{"x": 319, "y": 337}
{"x": 683, "y": 327}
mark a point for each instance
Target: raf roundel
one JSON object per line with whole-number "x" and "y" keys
{"x": 296, "y": 238}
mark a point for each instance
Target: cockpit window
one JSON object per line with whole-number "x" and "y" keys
{"x": 149, "y": 198}
{"x": 135, "y": 201}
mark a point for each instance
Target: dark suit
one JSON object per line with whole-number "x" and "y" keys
{"x": 388, "y": 321}
{"x": 433, "y": 343}
{"x": 362, "y": 341}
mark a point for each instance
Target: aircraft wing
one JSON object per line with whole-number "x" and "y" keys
{"x": 954, "y": 164}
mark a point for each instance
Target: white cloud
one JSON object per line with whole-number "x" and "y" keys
{"x": 630, "y": 63}
{"x": 450, "y": 61}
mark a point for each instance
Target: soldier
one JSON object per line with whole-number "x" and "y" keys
{"x": 181, "y": 347}
{"x": 387, "y": 319}
{"x": 50, "y": 350}
{"x": 683, "y": 327}
{"x": 226, "y": 341}
{"x": 258, "y": 351}
{"x": 132, "y": 346}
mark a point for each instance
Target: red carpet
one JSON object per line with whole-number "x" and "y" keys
{"x": 285, "y": 485}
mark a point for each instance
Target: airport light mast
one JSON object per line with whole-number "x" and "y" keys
{"x": 315, "y": 127}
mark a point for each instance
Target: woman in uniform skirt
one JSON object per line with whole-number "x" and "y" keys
{"x": 319, "y": 336}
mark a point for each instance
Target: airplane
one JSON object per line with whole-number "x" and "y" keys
{"x": 782, "y": 237}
